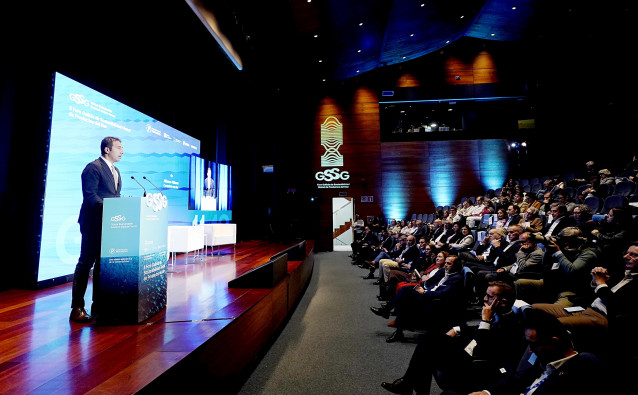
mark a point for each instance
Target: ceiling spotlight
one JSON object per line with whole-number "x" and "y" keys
{"x": 359, "y": 51}
{"x": 404, "y": 57}
{"x": 422, "y": 4}
{"x": 360, "y": 23}
{"x": 524, "y": 144}
{"x": 514, "y": 7}
{"x": 357, "y": 71}
{"x": 320, "y": 61}
{"x": 316, "y": 36}
{"x": 493, "y": 34}
{"x": 462, "y": 16}
{"x": 412, "y": 35}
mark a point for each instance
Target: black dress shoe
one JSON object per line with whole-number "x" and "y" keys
{"x": 370, "y": 276}
{"x": 79, "y": 315}
{"x": 397, "y": 336}
{"x": 381, "y": 311}
{"x": 398, "y": 386}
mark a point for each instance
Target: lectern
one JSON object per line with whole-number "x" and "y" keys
{"x": 133, "y": 259}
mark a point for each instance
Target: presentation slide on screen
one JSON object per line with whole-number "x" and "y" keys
{"x": 158, "y": 156}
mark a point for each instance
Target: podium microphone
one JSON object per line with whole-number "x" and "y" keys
{"x": 160, "y": 191}
{"x": 134, "y": 179}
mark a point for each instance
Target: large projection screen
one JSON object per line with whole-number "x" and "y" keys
{"x": 80, "y": 118}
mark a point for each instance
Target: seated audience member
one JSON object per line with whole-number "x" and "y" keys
{"x": 485, "y": 207}
{"x": 495, "y": 252}
{"x": 437, "y": 229}
{"x": 531, "y": 222}
{"x": 422, "y": 230}
{"x": 614, "y": 312}
{"x": 465, "y": 209}
{"x": 395, "y": 276}
{"x": 582, "y": 215}
{"x": 501, "y": 218}
{"x": 394, "y": 227}
{"x": 559, "y": 220}
{"x": 409, "y": 254}
{"x": 466, "y": 358}
{"x": 443, "y": 236}
{"x": 550, "y": 365}
{"x": 362, "y": 244}
{"x": 531, "y": 201}
{"x": 454, "y": 216}
{"x": 504, "y": 256}
{"x": 438, "y": 263}
{"x": 519, "y": 200}
{"x": 439, "y": 302}
{"x": 513, "y": 215}
{"x": 604, "y": 178}
{"x": 567, "y": 263}
{"x": 400, "y": 242}
{"x": 528, "y": 263}
{"x": 464, "y": 244}
{"x": 385, "y": 244}
{"x": 444, "y": 245}
{"x": 610, "y": 237}
{"x": 358, "y": 225}
{"x": 564, "y": 198}
{"x": 546, "y": 204}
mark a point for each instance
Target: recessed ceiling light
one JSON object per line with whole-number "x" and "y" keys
{"x": 493, "y": 34}
{"x": 404, "y": 57}
{"x": 447, "y": 42}
{"x": 360, "y": 23}
{"x": 462, "y": 16}
{"x": 422, "y": 4}
{"x": 357, "y": 71}
{"x": 514, "y": 7}
{"x": 359, "y": 51}
{"x": 316, "y": 36}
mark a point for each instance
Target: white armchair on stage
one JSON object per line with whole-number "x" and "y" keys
{"x": 220, "y": 235}
{"x": 186, "y": 238}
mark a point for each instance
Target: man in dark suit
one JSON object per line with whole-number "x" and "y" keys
{"x": 550, "y": 365}
{"x": 466, "y": 358}
{"x": 415, "y": 305}
{"x": 100, "y": 180}
{"x": 409, "y": 254}
{"x": 513, "y": 215}
{"x": 359, "y": 246}
{"x": 560, "y": 220}
{"x": 614, "y": 312}
{"x": 484, "y": 256}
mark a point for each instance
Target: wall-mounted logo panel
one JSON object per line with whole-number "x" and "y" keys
{"x": 331, "y": 140}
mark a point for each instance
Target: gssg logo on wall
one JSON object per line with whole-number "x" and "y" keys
{"x": 332, "y": 140}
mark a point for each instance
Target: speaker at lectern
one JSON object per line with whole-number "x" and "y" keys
{"x": 133, "y": 263}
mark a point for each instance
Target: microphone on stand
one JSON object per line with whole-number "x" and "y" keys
{"x": 134, "y": 179}
{"x": 160, "y": 191}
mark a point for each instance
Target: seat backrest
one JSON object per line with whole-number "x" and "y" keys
{"x": 594, "y": 203}
{"x": 614, "y": 201}
{"x": 625, "y": 188}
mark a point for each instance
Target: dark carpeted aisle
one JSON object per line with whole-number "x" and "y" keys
{"x": 333, "y": 343}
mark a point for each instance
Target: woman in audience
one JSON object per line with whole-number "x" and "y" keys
{"x": 532, "y": 222}
{"x": 501, "y": 218}
{"x": 464, "y": 244}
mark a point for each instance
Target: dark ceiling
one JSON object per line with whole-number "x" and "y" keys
{"x": 339, "y": 39}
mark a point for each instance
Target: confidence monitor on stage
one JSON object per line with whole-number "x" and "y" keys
{"x": 157, "y": 155}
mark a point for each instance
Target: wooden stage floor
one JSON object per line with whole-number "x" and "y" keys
{"x": 205, "y": 328}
